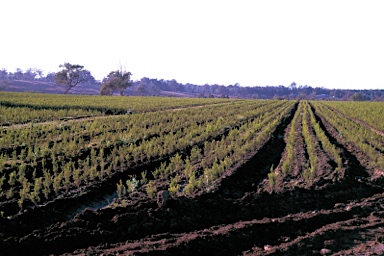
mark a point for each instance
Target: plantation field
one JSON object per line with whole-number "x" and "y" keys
{"x": 152, "y": 175}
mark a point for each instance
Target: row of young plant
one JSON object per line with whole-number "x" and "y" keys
{"x": 331, "y": 149}
{"x": 371, "y": 143}
{"x": 202, "y": 166}
{"x": 369, "y": 112}
{"x": 118, "y": 129}
{"x": 286, "y": 167}
{"x": 57, "y": 132}
{"x": 314, "y": 139}
{"x": 22, "y": 115}
{"x": 36, "y": 175}
{"x": 106, "y": 104}
{"x": 248, "y": 139}
{"x": 310, "y": 143}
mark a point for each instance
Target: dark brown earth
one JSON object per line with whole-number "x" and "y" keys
{"x": 340, "y": 213}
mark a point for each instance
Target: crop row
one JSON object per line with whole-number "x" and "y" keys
{"x": 104, "y": 105}
{"x": 305, "y": 141}
{"x": 202, "y": 166}
{"x": 21, "y": 115}
{"x": 369, "y": 112}
{"x": 119, "y": 129}
{"x": 310, "y": 141}
{"x": 290, "y": 157}
{"x": 41, "y": 162}
{"x": 369, "y": 142}
{"x": 331, "y": 149}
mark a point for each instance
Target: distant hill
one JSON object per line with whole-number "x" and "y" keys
{"x": 85, "y": 89}
{"x": 47, "y": 87}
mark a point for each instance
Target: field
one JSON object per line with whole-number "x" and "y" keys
{"x": 170, "y": 176}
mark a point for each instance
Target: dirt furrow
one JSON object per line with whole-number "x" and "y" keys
{"x": 231, "y": 239}
{"x": 377, "y": 131}
{"x": 95, "y": 194}
{"x": 145, "y": 218}
{"x": 69, "y": 119}
{"x": 359, "y": 234}
{"x": 304, "y": 233}
{"x": 237, "y": 217}
{"x": 352, "y": 156}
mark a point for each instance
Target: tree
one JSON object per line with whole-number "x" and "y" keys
{"x": 18, "y": 75}
{"x": 50, "y": 77}
{"x": 32, "y": 73}
{"x": 72, "y": 75}
{"x": 356, "y": 97}
{"x": 88, "y": 78}
{"x": 116, "y": 80}
{"x": 3, "y": 74}
{"x": 293, "y": 86}
{"x": 3, "y": 79}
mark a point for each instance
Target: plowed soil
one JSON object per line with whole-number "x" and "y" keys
{"x": 339, "y": 213}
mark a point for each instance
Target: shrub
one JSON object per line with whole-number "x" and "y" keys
{"x": 192, "y": 184}
{"x": 144, "y": 179}
{"x": 121, "y": 190}
{"x": 132, "y": 184}
{"x": 272, "y": 176}
{"x": 173, "y": 186}
{"x": 151, "y": 189}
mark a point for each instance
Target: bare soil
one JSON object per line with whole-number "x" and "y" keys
{"x": 340, "y": 213}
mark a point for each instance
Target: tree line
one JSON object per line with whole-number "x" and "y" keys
{"x": 156, "y": 87}
{"x": 119, "y": 81}
{"x": 72, "y": 75}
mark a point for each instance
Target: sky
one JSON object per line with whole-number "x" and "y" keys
{"x": 332, "y": 44}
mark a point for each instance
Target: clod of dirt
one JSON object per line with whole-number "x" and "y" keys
{"x": 325, "y": 251}
{"x": 162, "y": 198}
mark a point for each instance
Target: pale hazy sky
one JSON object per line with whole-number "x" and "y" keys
{"x": 335, "y": 44}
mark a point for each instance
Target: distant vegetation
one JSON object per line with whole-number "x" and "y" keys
{"x": 118, "y": 82}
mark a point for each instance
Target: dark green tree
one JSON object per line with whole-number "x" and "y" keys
{"x": 357, "y": 97}
{"x": 71, "y": 75}
{"x": 118, "y": 80}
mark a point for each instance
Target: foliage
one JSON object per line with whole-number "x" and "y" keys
{"x": 151, "y": 189}
{"x": 367, "y": 138}
{"x": 356, "y": 97}
{"x": 118, "y": 80}
{"x": 132, "y": 184}
{"x": 272, "y": 177}
{"x": 310, "y": 142}
{"x": 195, "y": 142}
{"x": 71, "y": 75}
{"x": 173, "y": 186}
{"x": 121, "y": 189}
